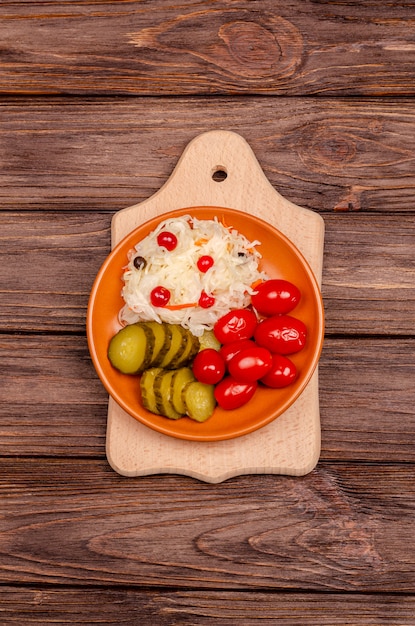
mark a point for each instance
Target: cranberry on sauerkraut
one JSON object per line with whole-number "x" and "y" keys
{"x": 201, "y": 268}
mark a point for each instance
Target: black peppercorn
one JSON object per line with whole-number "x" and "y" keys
{"x": 139, "y": 263}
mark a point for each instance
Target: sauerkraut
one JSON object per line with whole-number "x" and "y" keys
{"x": 229, "y": 282}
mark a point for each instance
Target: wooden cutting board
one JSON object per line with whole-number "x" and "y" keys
{"x": 218, "y": 168}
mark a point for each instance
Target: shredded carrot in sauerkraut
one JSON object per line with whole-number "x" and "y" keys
{"x": 229, "y": 280}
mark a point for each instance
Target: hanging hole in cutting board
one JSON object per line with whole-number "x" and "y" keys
{"x": 219, "y": 174}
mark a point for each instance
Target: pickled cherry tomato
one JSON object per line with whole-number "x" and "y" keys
{"x": 283, "y": 372}
{"x": 250, "y": 364}
{"x": 231, "y": 394}
{"x": 208, "y": 366}
{"x": 204, "y": 263}
{"x": 228, "y": 350}
{"x": 206, "y": 301}
{"x": 281, "y": 333}
{"x": 167, "y": 240}
{"x": 275, "y": 297}
{"x": 235, "y": 325}
{"x": 159, "y": 296}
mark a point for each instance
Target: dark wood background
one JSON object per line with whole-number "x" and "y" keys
{"x": 98, "y": 100}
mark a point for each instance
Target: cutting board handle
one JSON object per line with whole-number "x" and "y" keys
{"x": 195, "y": 182}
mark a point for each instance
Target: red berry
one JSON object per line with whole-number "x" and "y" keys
{"x": 204, "y": 263}
{"x": 160, "y": 296}
{"x": 167, "y": 240}
{"x": 206, "y": 301}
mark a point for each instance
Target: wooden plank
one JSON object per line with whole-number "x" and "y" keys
{"x": 51, "y": 397}
{"x": 52, "y": 402}
{"x": 369, "y": 274}
{"x": 106, "y": 154}
{"x": 49, "y": 262}
{"x": 340, "y": 528}
{"x": 36, "y": 605}
{"x": 366, "y": 388}
{"x": 300, "y": 47}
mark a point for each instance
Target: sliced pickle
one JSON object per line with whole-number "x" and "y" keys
{"x": 199, "y": 400}
{"x": 192, "y": 348}
{"x": 187, "y": 351}
{"x": 208, "y": 340}
{"x": 163, "y": 394}
{"x": 162, "y": 341}
{"x": 176, "y": 348}
{"x": 181, "y": 378}
{"x": 148, "y": 397}
{"x": 130, "y": 350}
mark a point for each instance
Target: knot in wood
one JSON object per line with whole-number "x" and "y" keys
{"x": 330, "y": 149}
{"x": 252, "y": 45}
{"x": 269, "y": 47}
{"x": 337, "y": 148}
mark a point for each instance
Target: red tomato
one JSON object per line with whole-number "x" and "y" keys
{"x": 209, "y": 366}
{"x": 275, "y": 296}
{"x": 228, "y": 350}
{"x": 167, "y": 240}
{"x": 281, "y": 333}
{"x": 282, "y": 373}
{"x": 231, "y": 394}
{"x": 237, "y": 324}
{"x": 250, "y": 364}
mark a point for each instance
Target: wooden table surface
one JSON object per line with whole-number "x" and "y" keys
{"x": 98, "y": 100}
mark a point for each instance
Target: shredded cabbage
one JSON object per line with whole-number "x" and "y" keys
{"x": 230, "y": 280}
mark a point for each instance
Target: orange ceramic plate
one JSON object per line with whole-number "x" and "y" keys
{"x": 280, "y": 259}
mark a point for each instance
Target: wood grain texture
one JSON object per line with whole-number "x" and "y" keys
{"x": 98, "y": 99}
{"x": 63, "y": 524}
{"x": 128, "y": 607}
{"x": 368, "y": 271}
{"x": 52, "y": 402}
{"x": 326, "y": 154}
{"x": 311, "y": 47}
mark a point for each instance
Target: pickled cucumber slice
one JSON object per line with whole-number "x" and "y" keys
{"x": 162, "y": 341}
{"x": 208, "y": 340}
{"x": 163, "y": 394}
{"x": 181, "y": 378}
{"x": 177, "y": 346}
{"x": 175, "y": 393}
{"x": 189, "y": 351}
{"x": 199, "y": 400}
{"x": 192, "y": 348}
{"x": 130, "y": 350}
{"x": 148, "y": 396}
